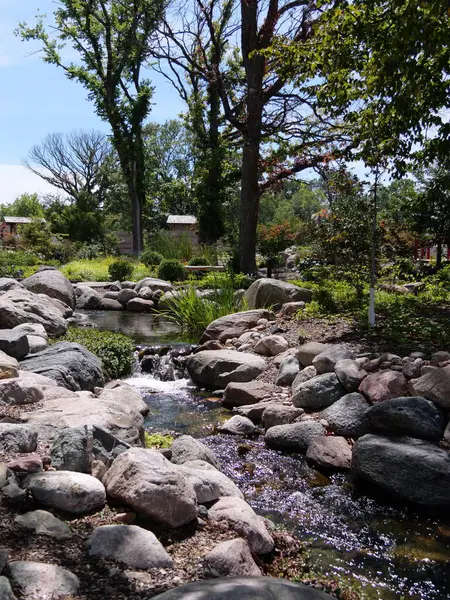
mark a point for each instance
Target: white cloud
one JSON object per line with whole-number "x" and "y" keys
{"x": 16, "y": 180}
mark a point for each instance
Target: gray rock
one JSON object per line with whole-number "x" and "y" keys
{"x": 154, "y": 284}
{"x": 434, "y": 386}
{"x": 289, "y": 369}
{"x": 413, "y": 369}
{"x": 146, "y": 293}
{"x": 291, "y": 308}
{"x": 439, "y": 357}
{"x": 152, "y": 486}
{"x": 18, "y": 306}
{"x": 7, "y": 283}
{"x": 279, "y": 414}
{"x": 214, "y": 369}
{"x": 244, "y": 588}
{"x": 209, "y": 483}
{"x": 349, "y": 374}
{"x": 265, "y": 293}
{"x": 73, "y": 493}
{"x": 446, "y": 438}
{"x": 254, "y": 412}
{"x": 308, "y": 352}
{"x": 231, "y": 559}
{"x": 317, "y": 393}
{"x": 71, "y": 365}
{"x": 238, "y": 425}
{"x": 330, "y": 452}
{"x": 243, "y": 519}
{"x": 13, "y": 493}
{"x": 110, "y": 295}
{"x": 52, "y": 283}
{"x": 411, "y": 416}
{"x": 9, "y": 367}
{"x": 4, "y": 555}
{"x": 90, "y": 299}
{"x": 17, "y": 438}
{"x": 251, "y": 392}
{"x": 293, "y": 437}
{"x": 325, "y": 362}
{"x": 411, "y": 469}
{"x": 6, "y": 592}
{"x": 4, "y": 473}
{"x": 129, "y": 544}
{"x": 232, "y": 326}
{"x": 40, "y": 581}
{"x": 42, "y": 522}
{"x": 14, "y": 343}
{"x": 186, "y": 448}
{"x": 348, "y": 416}
{"x": 383, "y": 385}
{"x": 125, "y": 295}
{"x": 17, "y": 392}
{"x": 271, "y": 345}
{"x": 140, "y": 305}
{"x": 304, "y": 375}
{"x": 110, "y": 304}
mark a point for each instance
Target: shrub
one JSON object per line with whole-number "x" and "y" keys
{"x": 151, "y": 258}
{"x": 157, "y": 440}
{"x": 120, "y": 270}
{"x": 198, "y": 261}
{"x": 115, "y": 350}
{"x": 98, "y": 270}
{"x": 171, "y": 270}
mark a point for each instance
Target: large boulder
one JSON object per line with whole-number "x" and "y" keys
{"x": 52, "y": 283}
{"x": 242, "y": 518}
{"x": 330, "y": 452}
{"x": 154, "y": 284}
{"x": 411, "y": 469}
{"x": 231, "y": 326}
{"x": 71, "y": 365}
{"x": 186, "y": 448}
{"x": 266, "y": 293}
{"x": 19, "y": 305}
{"x": 348, "y": 416}
{"x": 134, "y": 546}
{"x": 250, "y": 392}
{"x": 412, "y": 416}
{"x": 231, "y": 559}
{"x": 17, "y": 438}
{"x": 245, "y": 588}
{"x": 8, "y": 283}
{"x": 40, "y": 581}
{"x": 317, "y": 393}
{"x": 74, "y": 493}
{"x": 384, "y": 385}
{"x": 14, "y": 343}
{"x": 434, "y": 386}
{"x": 6, "y": 592}
{"x": 293, "y": 437}
{"x": 214, "y": 369}
{"x": 152, "y": 486}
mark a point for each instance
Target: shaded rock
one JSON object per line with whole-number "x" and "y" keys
{"x": 147, "y": 293}
{"x": 17, "y": 392}
{"x": 71, "y": 365}
{"x": 41, "y": 581}
{"x": 110, "y": 295}
{"x": 186, "y": 448}
{"x": 4, "y": 473}
{"x": 304, "y": 375}
{"x": 90, "y": 299}
{"x": 273, "y": 292}
{"x": 13, "y": 493}
{"x": 434, "y": 386}
{"x": 349, "y": 374}
{"x": 330, "y": 452}
{"x": 74, "y": 493}
{"x": 239, "y": 394}
{"x": 9, "y": 367}
{"x": 52, "y": 283}
{"x": 30, "y": 463}
{"x": 411, "y": 469}
{"x": 231, "y": 559}
{"x": 125, "y": 296}
{"x": 254, "y": 412}
{"x": 317, "y": 393}
{"x": 289, "y": 369}
{"x": 17, "y": 438}
{"x": 326, "y": 361}
{"x": 6, "y": 592}
{"x": 413, "y": 369}
{"x": 129, "y": 544}
{"x": 232, "y": 326}
{"x": 384, "y": 385}
{"x": 439, "y": 357}
{"x": 293, "y": 437}
{"x": 214, "y": 369}
{"x": 244, "y": 588}
{"x": 306, "y": 353}
{"x": 411, "y": 416}
{"x": 243, "y": 519}
{"x": 140, "y": 305}
{"x": 14, "y": 343}
{"x": 291, "y": 308}
{"x": 348, "y": 415}
{"x": 19, "y": 306}
{"x": 151, "y": 485}
{"x": 209, "y": 483}
{"x": 110, "y": 304}
{"x": 238, "y": 425}
{"x": 42, "y": 522}
{"x": 271, "y": 345}
{"x": 279, "y": 414}
{"x": 8, "y": 283}
{"x": 446, "y": 436}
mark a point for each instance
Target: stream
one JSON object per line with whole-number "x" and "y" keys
{"x": 385, "y": 551}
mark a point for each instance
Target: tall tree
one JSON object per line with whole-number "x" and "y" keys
{"x": 111, "y": 38}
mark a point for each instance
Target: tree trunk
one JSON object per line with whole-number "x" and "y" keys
{"x": 439, "y": 255}
{"x": 249, "y": 207}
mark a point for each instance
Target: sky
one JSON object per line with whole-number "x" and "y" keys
{"x": 37, "y": 99}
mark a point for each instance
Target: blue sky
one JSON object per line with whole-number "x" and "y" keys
{"x": 37, "y": 99}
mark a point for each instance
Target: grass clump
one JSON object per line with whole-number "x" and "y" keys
{"x": 98, "y": 269}
{"x": 114, "y": 350}
{"x": 157, "y": 440}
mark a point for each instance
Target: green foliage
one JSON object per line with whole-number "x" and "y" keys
{"x": 115, "y": 350}
{"x": 157, "y": 440}
{"x": 21, "y": 263}
{"x": 171, "y": 270}
{"x": 98, "y": 270}
{"x": 274, "y": 238}
{"x": 26, "y": 205}
{"x": 218, "y": 280}
{"x": 120, "y": 270}
{"x": 198, "y": 261}
{"x": 37, "y": 237}
{"x": 151, "y": 258}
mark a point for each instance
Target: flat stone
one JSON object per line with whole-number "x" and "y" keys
{"x": 294, "y": 437}
{"x": 214, "y": 369}
{"x": 18, "y": 391}
{"x": 232, "y": 559}
{"x": 40, "y": 581}
{"x": 280, "y": 414}
{"x": 129, "y": 544}
{"x": 42, "y": 522}
{"x": 330, "y": 452}
{"x": 250, "y": 392}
